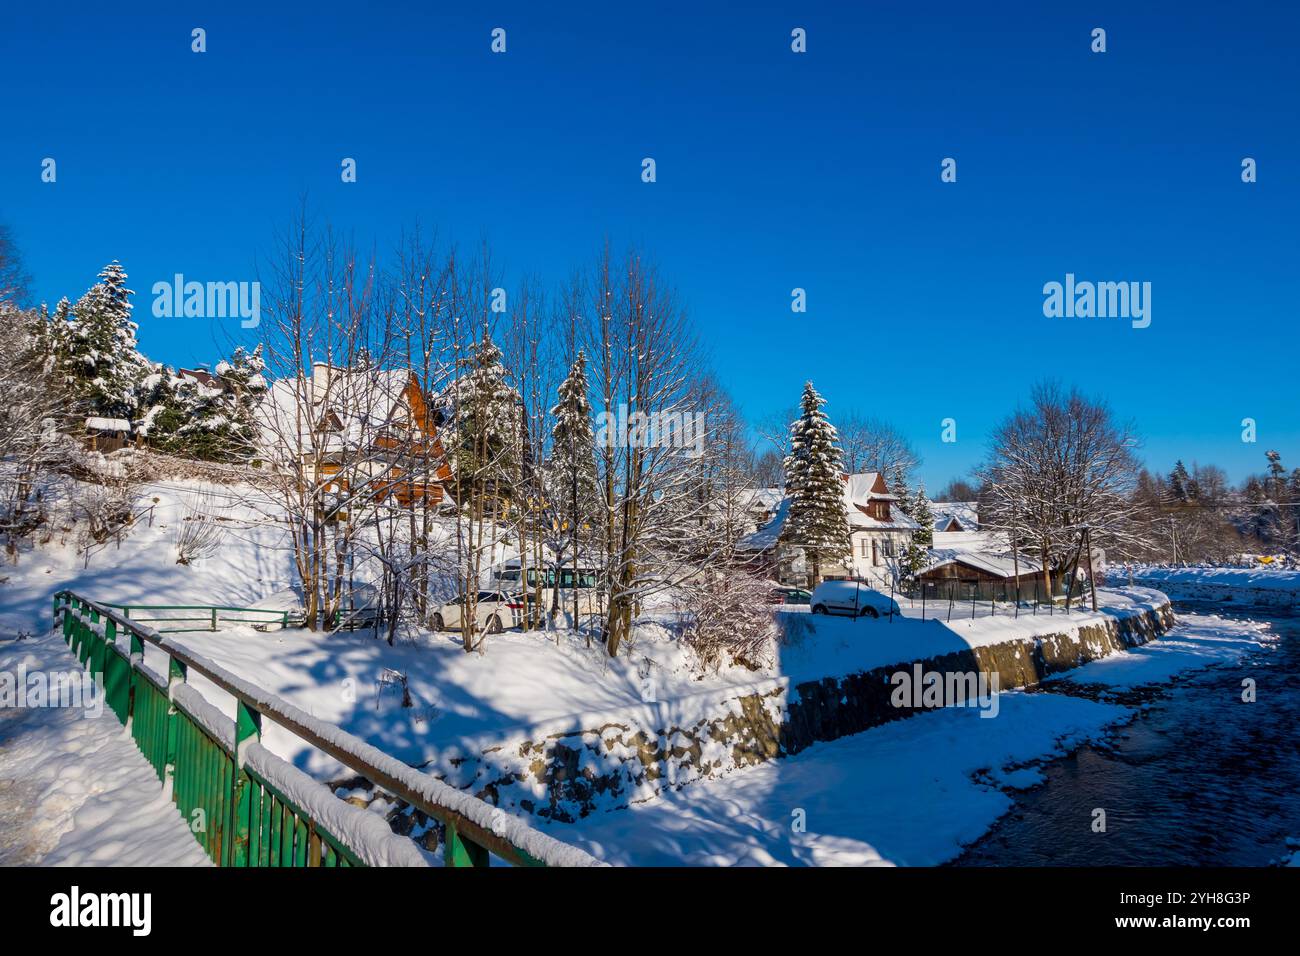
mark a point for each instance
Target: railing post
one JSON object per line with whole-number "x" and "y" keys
{"x": 458, "y": 851}
{"x": 214, "y": 619}
{"x": 67, "y": 619}
{"x": 248, "y": 730}
{"x": 117, "y": 675}
{"x": 92, "y": 643}
{"x": 175, "y": 675}
{"x": 73, "y": 621}
{"x": 98, "y": 650}
{"x": 137, "y": 650}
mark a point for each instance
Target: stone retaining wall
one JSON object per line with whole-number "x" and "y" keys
{"x": 571, "y": 773}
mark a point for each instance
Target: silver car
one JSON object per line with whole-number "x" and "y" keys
{"x": 851, "y": 599}
{"x": 494, "y": 611}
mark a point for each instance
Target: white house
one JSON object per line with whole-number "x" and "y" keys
{"x": 879, "y": 533}
{"x": 354, "y": 427}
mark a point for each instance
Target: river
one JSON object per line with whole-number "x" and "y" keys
{"x": 1198, "y": 779}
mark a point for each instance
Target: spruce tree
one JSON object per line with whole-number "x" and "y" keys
{"x": 164, "y": 410}
{"x": 221, "y": 423}
{"x": 917, "y": 553}
{"x": 243, "y": 384}
{"x": 571, "y": 472}
{"x": 484, "y": 453}
{"x": 898, "y": 488}
{"x": 922, "y": 514}
{"x": 99, "y": 360}
{"x": 1179, "y": 480}
{"x": 817, "y": 520}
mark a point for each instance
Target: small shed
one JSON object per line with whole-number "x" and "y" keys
{"x": 107, "y": 434}
{"x": 982, "y": 575}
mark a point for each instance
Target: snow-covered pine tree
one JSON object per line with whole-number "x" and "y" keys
{"x": 485, "y": 448}
{"x": 1276, "y": 471}
{"x": 164, "y": 409}
{"x": 221, "y": 423}
{"x": 922, "y": 514}
{"x": 1179, "y": 480}
{"x": 898, "y": 488}
{"x": 571, "y": 472}
{"x": 99, "y": 360}
{"x": 817, "y": 520}
{"x": 917, "y": 553}
{"x": 244, "y": 385}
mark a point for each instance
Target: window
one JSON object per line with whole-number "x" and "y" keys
{"x": 875, "y": 554}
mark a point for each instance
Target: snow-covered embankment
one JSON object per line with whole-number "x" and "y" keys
{"x": 835, "y": 681}
{"x": 1247, "y": 587}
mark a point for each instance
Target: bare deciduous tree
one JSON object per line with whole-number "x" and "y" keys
{"x": 870, "y": 444}
{"x": 1058, "y": 466}
{"x": 200, "y": 533}
{"x": 31, "y": 450}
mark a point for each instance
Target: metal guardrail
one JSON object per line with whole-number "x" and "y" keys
{"x": 212, "y": 615}
{"x": 260, "y": 810}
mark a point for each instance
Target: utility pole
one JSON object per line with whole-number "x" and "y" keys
{"x": 1015, "y": 563}
{"x": 1092, "y": 580}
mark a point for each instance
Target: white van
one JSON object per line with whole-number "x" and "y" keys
{"x": 851, "y": 599}
{"x": 555, "y": 586}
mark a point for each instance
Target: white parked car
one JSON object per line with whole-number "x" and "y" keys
{"x": 494, "y": 611}
{"x": 851, "y": 599}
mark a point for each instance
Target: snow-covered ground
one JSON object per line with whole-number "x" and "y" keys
{"x": 1265, "y": 586}
{"x": 1199, "y": 640}
{"x": 74, "y": 790}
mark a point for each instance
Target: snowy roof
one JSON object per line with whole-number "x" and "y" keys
{"x": 858, "y": 494}
{"x": 769, "y": 498}
{"x": 862, "y": 489}
{"x": 994, "y": 542}
{"x": 766, "y": 536}
{"x": 965, "y": 512}
{"x": 999, "y": 565}
{"x": 859, "y": 520}
{"x": 108, "y": 424}
{"x": 358, "y": 404}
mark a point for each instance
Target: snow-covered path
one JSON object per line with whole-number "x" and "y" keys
{"x": 74, "y": 790}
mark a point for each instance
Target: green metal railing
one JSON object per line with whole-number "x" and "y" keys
{"x": 210, "y": 616}
{"x": 247, "y": 807}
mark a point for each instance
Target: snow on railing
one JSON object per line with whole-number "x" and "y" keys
{"x": 248, "y": 807}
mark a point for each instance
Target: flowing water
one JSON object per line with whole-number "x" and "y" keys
{"x": 1198, "y": 779}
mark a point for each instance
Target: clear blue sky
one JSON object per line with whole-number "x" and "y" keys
{"x": 775, "y": 170}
